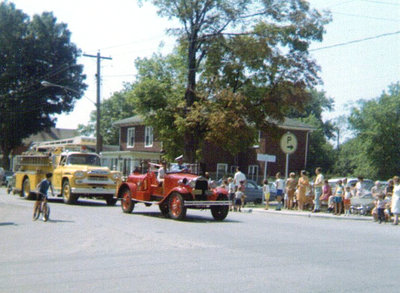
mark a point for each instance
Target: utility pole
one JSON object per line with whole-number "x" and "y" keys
{"x": 99, "y": 138}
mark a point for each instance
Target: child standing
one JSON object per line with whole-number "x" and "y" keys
{"x": 380, "y": 207}
{"x": 347, "y": 201}
{"x": 266, "y": 193}
{"x": 338, "y": 198}
{"x": 280, "y": 186}
{"x": 231, "y": 192}
{"x": 239, "y": 197}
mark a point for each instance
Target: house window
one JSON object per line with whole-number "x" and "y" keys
{"x": 257, "y": 144}
{"x": 131, "y": 138}
{"x": 253, "y": 172}
{"x": 148, "y": 135}
{"x": 222, "y": 169}
{"x": 233, "y": 169}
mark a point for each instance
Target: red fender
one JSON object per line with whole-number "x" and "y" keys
{"x": 131, "y": 186}
{"x": 180, "y": 189}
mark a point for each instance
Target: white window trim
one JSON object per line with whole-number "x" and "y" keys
{"x": 129, "y": 135}
{"x": 257, "y": 145}
{"x": 251, "y": 175}
{"x": 225, "y": 167}
{"x": 146, "y": 133}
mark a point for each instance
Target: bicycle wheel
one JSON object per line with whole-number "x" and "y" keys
{"x": 46, "y": 212}
{"x": 36, "y": 212}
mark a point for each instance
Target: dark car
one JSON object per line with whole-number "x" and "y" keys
{"x": 253, "y": 192}
{"x": 7, "y": 177}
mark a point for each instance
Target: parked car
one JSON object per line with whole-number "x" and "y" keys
{"x": 1, "y": 176}
{"x": 351, "y": 181}
{"x": 253, "y": 192}
{"x": 359, "y": 204}
{"x": 7, "y": 177}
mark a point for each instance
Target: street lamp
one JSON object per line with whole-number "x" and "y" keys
{"x": 98, "y": 136}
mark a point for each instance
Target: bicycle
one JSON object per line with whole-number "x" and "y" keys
{"x": 41, "y": 208}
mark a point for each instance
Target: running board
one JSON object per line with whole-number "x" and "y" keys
{"x": 190, "y": 203}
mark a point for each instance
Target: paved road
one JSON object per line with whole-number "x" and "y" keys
{"x": 94, "y": 248}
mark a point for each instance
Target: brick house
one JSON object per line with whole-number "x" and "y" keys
{"x": 138, "y": 143}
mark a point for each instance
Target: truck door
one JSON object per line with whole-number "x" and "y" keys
{"x": 58, "y": 162}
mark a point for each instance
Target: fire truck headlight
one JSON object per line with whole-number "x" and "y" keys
{"x": 79, "y": 174}
{"x": 192, "y": 183}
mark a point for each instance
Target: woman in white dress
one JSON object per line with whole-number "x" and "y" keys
{"x": 396, "y": 200}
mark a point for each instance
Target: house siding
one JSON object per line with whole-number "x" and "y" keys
{"x": 213, "y": 155}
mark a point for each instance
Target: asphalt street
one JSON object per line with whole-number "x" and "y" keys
{"x": 91, "y": 247}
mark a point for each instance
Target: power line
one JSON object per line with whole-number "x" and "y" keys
{"x": 382, "y": 2}
{"x": 355, "y": 41}
{"x": 365, "y": 16}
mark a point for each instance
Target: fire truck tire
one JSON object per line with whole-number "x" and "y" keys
{"x": 26, "y": 189}
{"x": 177, "y": 210}
{"x": 164, "y": 209}
{"x": 68, "y": 196}
{"x": 220, "y": 212}
{"x": 127, "y": 204}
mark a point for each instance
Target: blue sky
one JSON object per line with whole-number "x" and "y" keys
{"x": 122, "y": 30}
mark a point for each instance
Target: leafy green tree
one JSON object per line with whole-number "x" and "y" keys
{"x": 321, "y": 153}
{"x": 350, "y": 161}
{"x": 32, "y": 51}
{"x": 115, "y": 108}
{"x": 157, "y": 96}
{"x": 377, "y": 125}
{"x": 247, "y": 53}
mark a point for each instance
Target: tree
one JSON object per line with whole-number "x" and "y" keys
{"x": 321, "y": 152}
{"x": 253, "y": 54}
{"x": 31, "y": 51}
{"x": 377, "y": 126}
{"x": 112, "y": 109}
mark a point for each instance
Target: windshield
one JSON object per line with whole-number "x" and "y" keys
{"x": 83, "y": 159}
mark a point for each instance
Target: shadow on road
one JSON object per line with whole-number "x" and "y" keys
{"x": 59, "y": 221}
{"x": 8, "y": 224}
{"x": 189, "y": 218}
{"x": 81, "y": 202}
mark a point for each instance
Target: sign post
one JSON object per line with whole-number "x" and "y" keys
{"x": 288, "y": 146}
{"x": 266, "y": 158}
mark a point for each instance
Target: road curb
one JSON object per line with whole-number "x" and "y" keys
{"x": 308, "y": 214}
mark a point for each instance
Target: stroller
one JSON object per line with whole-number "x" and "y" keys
{"x": 362, "y": 205}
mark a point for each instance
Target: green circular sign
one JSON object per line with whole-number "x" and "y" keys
{"x": 289, "y": 143}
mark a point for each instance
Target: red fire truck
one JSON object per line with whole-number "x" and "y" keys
{"x": 178, "y": 192}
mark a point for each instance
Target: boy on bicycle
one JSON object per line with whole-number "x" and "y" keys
{"x": 43, "y": 188}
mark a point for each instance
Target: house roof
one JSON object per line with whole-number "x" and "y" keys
{"x": 288, "y": 123}
{"x": 294, "y": 124}
{"x": 51, "y": 134}
{"x": 134, "y": 120}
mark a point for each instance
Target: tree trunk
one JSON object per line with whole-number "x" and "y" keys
{"x": 6, "y": 158}
{"x": 190, "y": 144}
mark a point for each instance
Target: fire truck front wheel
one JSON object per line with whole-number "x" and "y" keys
{"x": 177, "y": 209}
{"x": 68, "y": 196}
{"x": 127, "y": 204}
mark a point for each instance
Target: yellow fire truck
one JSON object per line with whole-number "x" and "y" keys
{"x": 77, "y": 172}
